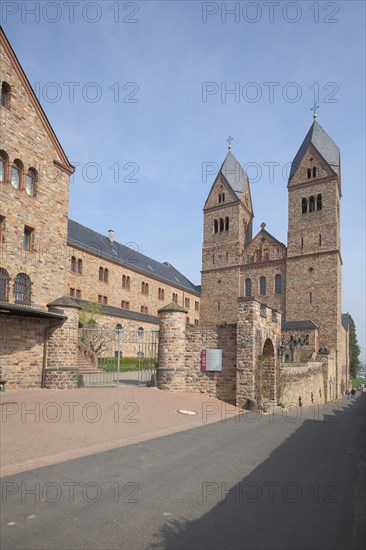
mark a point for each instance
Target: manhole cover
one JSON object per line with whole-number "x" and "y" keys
{"x": 186, "y": 411}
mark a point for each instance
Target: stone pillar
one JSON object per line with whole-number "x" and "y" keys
{"x": 62, "y": 347}
{"x": 248, "y": 312}
{"x": 171, "y": 372}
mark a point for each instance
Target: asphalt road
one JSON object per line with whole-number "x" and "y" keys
{"x": 276, "y": 483}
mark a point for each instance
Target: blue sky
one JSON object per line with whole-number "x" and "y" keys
{"x": 144, "y": 121}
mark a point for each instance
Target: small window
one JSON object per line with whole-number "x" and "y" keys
{"x": 106, "y": 275}
{"x": 2, "y": 230}
{"x": 22, "y": 289}
{"x": 105, "y": 300}
{"x": 319, "y": 202}
{"x": 187, "y": 303}
{"x": 314, "y": 172}
{"x": 262, "y": 286}
{"x": 311, "y": 297}
{"x": 219, "y": 197}
{"x": 80, "y": 266}
{"x": 28, "y": 238}
{"x": 196, "y": 322}
{"x": 320, "y": 240}
{"x": 216, "y": 226}
{"x": 309, "y": 173}
{"x": 278, "y": 284}
{"x": 4, "y": 285}
{"x": 4, "y": 159}
{"x": 222, "y": 225}
{"x": 30, "y": 182}
{"x": 223, "y": 197}
{"x": 311, "y": 204}
{"x": 302, "y": 243}
{"x": 218, "y": 306}
{"x": 248, "y": 287}
{"x": 196, "y": 306}
{"x": 100, "y": 298}
{"x": 5, "y": 95}
{"x": 304, "y": 205}
{"x": 16, "y": 174}
{"x": 73, "y": 264}
{"x": 101, "y": 274}
{"x": 227, "y": 224}
{"x": 175, "y": 297}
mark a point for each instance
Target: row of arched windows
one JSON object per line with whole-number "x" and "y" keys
{"x": 311, "y": 172}
{"x": 221, "y": 197}
{"x": 263, "y": 285}
{"x": 15, "y": 175}
{"x": 313, "y": 203}
{"x": 22, "y": 289}
{"x": 103, "y": 274}
{"x": 221, "y": 225}
{"x": 76, "y": 265}
{"x": 126, "y": 282}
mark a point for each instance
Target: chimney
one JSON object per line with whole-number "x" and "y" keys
{"x": 111, "y": 235}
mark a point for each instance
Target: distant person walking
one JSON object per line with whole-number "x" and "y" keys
{"x": 347, "y": 394}
{"x": 353, "y": 393}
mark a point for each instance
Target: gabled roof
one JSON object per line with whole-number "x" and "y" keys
{"x": 100, "y": 245}
{"x": 234, "y": 174}
{"x": 323, "y": 144}
{"x": 263, "y": 231}
{"x": 64, "y": 163}
{"x": 298, "y": 325}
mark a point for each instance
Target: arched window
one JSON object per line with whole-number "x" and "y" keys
{"x": 219, "y": 197}
{"x": 128, "y": 283}
{"x": 223, "y": 197}
{"x": 248, "y": 287}
{"x": 227, "y": 222}
{"x": 22, "y": 289}
{"x": 3, "y": 166}
{"x": 319, "y": 202}
{"x": 309, "y": 173}
{"x": 221, "y": 225}
{"x": 80, "y": 266}
{"x": 304, "y": 205}
{"x": 216, "y": 226}
{"x": 4, "y": 285}
{"x": 101, "y": 274}
{"x": 5, "y": 95}
{"x": 30, "y": 182}
{"x": 16, "y": 174}
{"x": 278, "y": 284}
{"x": 124, "y": 281}
{"x": 262, "y": 286}
{"x": 73, "y": 264}
{"x": 143, "y": 288}
{"x": 314, "y": 172}
{"x": 311, "y": 204}
{"x": 147, "y": 289}
{"x": 106, "y": 275}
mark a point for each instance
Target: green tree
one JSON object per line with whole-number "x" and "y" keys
{"x": 354, "y": 349}
{"x": 89, "y": 313}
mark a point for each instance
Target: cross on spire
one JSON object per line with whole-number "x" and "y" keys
{"x": 229, "y": 140}
{"x": 314, "y": 108}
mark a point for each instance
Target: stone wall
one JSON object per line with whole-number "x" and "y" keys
{"x": 219, "y": 384}
{"x": 304, "y": 381}
{"x": 22, "y": 349}
{"x": 63, "y": 378}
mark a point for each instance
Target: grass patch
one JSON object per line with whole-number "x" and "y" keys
{"x": 357, "y": 381}
{"x": 110, "y": 364}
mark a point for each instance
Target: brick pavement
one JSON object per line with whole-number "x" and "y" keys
{"x": 42, "y": 427}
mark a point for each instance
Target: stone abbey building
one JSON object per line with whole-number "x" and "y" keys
{"x": 283, "y": 301}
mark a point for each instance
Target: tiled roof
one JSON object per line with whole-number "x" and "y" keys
{"x": 99, "y": 244}
{"x": 298, "y": 325}
{"x": 124, "y": 313}
{"x": 323, "y": 144}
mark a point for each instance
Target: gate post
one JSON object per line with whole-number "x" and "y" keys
{"x": 172, "y": 348}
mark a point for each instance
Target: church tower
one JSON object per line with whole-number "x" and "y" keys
{"x": 313, "y": 267}
{"x": 228, "y": 215}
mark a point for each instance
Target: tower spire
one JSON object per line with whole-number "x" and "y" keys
{"x": 314, "y": 108}
{"x": 229, "y": 140}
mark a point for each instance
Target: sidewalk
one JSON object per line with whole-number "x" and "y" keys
{"x": 42, "y": 427}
